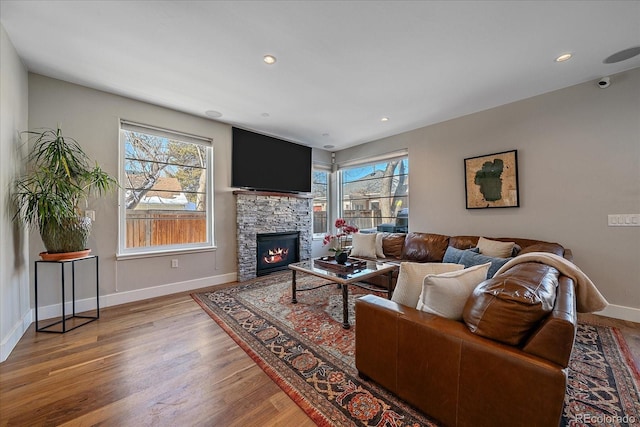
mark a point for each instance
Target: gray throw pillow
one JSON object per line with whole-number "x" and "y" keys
{"x": 453, "y": 255}
{"x": 469, "y": 259}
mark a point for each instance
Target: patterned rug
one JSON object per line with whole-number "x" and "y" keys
{"x": 305, "y": 350}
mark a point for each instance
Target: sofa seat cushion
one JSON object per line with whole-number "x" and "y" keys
{"x": 509, "y": 307}
{"x": 424, "y": 247}
{"x": 410, "y": 279}
{"x": 445, "y": 294}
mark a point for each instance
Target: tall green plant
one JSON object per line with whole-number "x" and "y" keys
{"x": 59, "y": 176}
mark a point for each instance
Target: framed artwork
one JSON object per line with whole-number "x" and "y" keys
{"x": 491, "y": 181}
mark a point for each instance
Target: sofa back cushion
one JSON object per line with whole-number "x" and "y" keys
{"x": 392, "y": 244}
{"x": 509, "y": 307}
{"x": 424, "y": 247}
{"x": 553, "y": 248}
{"x": 463, "y": 242}
{"x": 526, "y": 245}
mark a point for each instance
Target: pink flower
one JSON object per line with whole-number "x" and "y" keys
{"x": 343, "y": 231}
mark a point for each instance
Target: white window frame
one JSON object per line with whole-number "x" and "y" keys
{"x": 208, "y": 245}
{"x": 387, "y": 157}
{"x": 327, "y": 170}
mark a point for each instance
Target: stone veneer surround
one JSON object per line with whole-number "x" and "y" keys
{"x": 265, "y": 212}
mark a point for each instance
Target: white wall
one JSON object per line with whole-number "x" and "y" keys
{"x": 578, "y": 160}
{"x": 15, "y": 314}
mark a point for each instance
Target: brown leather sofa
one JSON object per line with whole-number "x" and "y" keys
{"x": 431, "y": 247}
{"x": 505, "y": 364}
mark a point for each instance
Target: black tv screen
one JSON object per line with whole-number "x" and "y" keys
{"x": 261, "y": 162}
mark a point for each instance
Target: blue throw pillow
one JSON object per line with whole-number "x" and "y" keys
{"x": 469, "y": 259}
{"x": 453, "y": 255}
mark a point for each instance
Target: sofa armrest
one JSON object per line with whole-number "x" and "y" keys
{"x": 377, "y": 339}
{"x": 553, "y": 340}
{"x": 453, "y": 375}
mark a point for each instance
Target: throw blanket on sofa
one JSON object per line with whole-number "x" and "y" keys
{"x": 588, "y": 297}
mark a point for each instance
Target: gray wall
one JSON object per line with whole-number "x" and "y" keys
{"x": 92, "y": 118}
{"x": 15, "y": 315}
{"x": 578, "y": 160}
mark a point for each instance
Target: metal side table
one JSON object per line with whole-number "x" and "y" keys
{"x": 68, "y": 317}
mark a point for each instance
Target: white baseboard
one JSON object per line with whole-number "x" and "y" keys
{"x": 7, "y": 345}
{"x": 621, "y": 312}
{"x": 55, "y": 310}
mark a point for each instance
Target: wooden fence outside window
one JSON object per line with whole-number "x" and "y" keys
{"x": 162, "y": 228}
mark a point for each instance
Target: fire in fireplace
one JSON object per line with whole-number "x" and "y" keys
{"x": 275, "y": 251}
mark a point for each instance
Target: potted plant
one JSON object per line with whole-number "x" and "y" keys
{"x": 344, "y": 230}
{"x": 59, "y": 176}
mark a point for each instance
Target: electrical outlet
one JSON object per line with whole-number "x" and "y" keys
{"x": 174, "y": 263}
{"x": 624, "y": 220}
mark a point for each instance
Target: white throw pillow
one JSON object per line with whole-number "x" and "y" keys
{"x": 363, "y": 245}
{"x": 411, "y": 276}
{"x": 446, "y": 294}
{"x": 495, "y": 248}
{"x": 379, "y": 250}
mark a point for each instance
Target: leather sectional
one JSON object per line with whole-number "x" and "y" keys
{"x": 505, "y": 364}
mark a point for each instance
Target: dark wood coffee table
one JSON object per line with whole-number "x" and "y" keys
{"x": 343, "y": 280}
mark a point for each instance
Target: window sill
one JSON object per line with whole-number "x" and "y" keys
{"x": 168, "y": 252}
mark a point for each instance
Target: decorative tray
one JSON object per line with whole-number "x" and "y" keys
{"x": 330, "y": 263}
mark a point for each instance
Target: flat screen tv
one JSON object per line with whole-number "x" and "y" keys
{"x": 260, "y": 162}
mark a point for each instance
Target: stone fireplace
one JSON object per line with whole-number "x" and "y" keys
{"x": 259, "y": 212}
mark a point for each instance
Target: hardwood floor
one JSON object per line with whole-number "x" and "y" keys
{"x": 157, "y": 362}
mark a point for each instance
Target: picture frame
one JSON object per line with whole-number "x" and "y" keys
{"x": 491, "y": 181}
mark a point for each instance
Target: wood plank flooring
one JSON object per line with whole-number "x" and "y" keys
{"x": 159, "y": 362}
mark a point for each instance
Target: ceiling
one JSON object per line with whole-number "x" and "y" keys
{"x": 341, "y": 65}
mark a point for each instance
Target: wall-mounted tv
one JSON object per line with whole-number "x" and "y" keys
{"x": 260, "y": 162}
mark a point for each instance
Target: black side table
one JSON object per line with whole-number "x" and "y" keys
{"x": 73, "y": 315}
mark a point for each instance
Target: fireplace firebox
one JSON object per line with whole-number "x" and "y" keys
{"x": 275, "y": 251}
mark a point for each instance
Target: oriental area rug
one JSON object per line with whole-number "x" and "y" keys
{"x": 304, "y": 349}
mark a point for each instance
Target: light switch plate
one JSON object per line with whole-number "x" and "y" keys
{"x": 624, "y": 220}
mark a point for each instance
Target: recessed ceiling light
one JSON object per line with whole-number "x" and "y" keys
{"x": 325, "y": 134}
{"x": 269, "y": 59}
{"x": 265, "y": 114}
{"x": 384, "y": 119}
{"x": 329, "y": 146}
{"x": 213, "y": 114}
{"x": 564, "y": 57}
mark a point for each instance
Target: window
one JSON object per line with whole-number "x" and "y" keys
{"x": 166, "y": 180}
{"x": 376, "y": 193}
{"x": 320, "y": 191}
